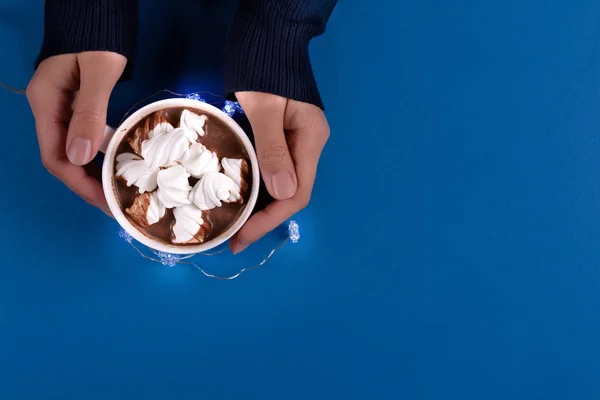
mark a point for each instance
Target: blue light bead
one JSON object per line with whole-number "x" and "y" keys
{"x": 195, "y": 96}
{"x": 294, "y": 231}
{"x": 123, "y": 234}
{"x": 232, "y": 107}
{"x": 168, "y": 259}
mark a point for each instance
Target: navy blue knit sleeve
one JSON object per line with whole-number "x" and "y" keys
{"x": 73, "y": 26}
{"x": 268, "y": 47}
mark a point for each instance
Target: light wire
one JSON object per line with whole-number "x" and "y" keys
{"x": 199, "y": 268}
{"x": 12, "y": 89}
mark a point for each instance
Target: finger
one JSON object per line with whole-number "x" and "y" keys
{"x": 99, "y": 72}
{"x": 306, "y": 146}
{"x": 307, "y": 136}
{"x": 51, "y": 137}
{"x": 277, "y": 212}
{"x": 51, "y": 108}
{"x": 87, "y": 187}
{"x": 265, "y": 113}
{"x": 264, "y": 222}
{"x": 94, "y": 171}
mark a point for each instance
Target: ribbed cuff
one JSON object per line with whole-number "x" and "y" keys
{"x": 74, "y": 26}
{"x": 268, "y": 53}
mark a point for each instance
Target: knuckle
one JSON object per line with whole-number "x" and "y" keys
{"x": 51, "y": 172}
{"x": 31, "y": 91}
{"x": 325, "y": 132}
{"x": 322, "y": 130}
{"x": 88, "y": 200}
{"x": 48, "y": 164}
{"x": 244, "y": 237}
{"x": 302, "y": 201}
{"x": 269, "y": 213}
{"x": 273, "y": 154}
{"x": 92, "y": 115}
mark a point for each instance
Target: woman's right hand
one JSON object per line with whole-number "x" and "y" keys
{"x": 69, "y": 95}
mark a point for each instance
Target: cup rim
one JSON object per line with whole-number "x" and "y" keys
{"x": 111, "y": 195}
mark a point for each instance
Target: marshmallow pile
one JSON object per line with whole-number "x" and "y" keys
{"x": 163, "y": 161}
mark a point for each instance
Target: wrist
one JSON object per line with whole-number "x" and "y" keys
{"x": 268, "y": 53}
{"x": 74, "y": 26}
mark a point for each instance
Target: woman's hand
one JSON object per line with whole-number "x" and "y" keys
{"x": 290, "y": 136}
{"x": 69, "y": 96}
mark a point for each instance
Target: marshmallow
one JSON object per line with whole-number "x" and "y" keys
{"x": 193, "y": 123}
{"x": 136, "y": 172}
{"x": 154, "y": 124}
{"x": 189, "y": 226}
{"x": 146, "y": 209}
{"x": 163, "y": 149}
{"x": 173, "y": 186}
{"x": 200, "y": 160}
{"x": 236, "y": 169}
{"x": 213, "y": 189}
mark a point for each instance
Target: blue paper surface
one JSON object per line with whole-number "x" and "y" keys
{"x": 450, "y": 249}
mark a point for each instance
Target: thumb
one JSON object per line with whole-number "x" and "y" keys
{"x": 265, "y": 113}
{"x": 99, "y": 73}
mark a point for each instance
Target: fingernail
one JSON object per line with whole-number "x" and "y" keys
{"x": 79, "y": 151}
{"x": 283, "y": 185}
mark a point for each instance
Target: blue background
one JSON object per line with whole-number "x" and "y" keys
{"x": 451, "y": 249}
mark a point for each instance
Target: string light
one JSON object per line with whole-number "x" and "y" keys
{"x": 168, "y": 259}
{"x": 294, "y": 231}
{"x": 123, "y": 234}
{"x": 171, "y": 260}
{"x": 12, "y": 88}
{"x": 195, "y": 96}
{"x": 231, "y": 108}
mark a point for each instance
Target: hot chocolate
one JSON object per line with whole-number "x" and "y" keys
{"x": 182, "y": 176}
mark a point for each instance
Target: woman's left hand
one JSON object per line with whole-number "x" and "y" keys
{"x": 290, "y": 136}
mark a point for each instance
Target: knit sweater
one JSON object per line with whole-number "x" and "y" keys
{"x": 267, "y": 48}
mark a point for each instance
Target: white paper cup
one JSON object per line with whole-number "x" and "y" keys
{"x": 114, "y": 137}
